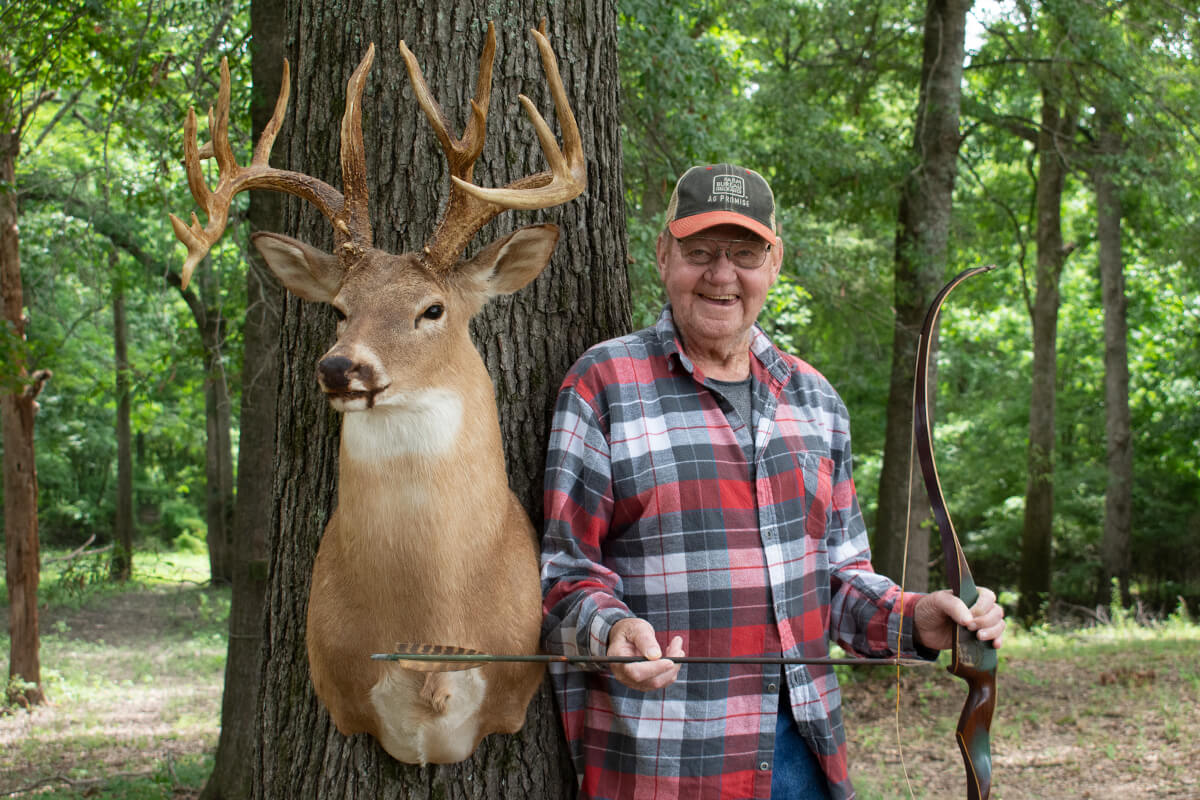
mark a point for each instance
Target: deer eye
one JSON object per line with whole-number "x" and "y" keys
{"x": 435, "y": 311}
{"x": 339, "y": 314}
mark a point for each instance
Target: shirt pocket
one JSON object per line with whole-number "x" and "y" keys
{"x": 797, "y": 487}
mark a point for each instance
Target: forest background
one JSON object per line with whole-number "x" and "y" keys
{"x": 1067, "y": 427}
{"x": 137, "y": 433}
{"x": 818, "y": 96}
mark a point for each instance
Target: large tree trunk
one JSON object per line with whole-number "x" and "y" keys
{"x": 1037, "y": 535}
{"x": 1118, "y": 497}
{"x": 921, "y": 244}
{"x": 528, "y": 340}
{"x": 233, "y": 772}
{"x": 18, "y": 395}
{"x": 121, "y": 566}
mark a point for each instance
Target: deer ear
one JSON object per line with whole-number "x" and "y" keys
{"x": 507, "y": 264}
{"x": 305, "y": 271}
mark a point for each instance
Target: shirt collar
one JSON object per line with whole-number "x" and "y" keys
{"x": 761, "y": 347}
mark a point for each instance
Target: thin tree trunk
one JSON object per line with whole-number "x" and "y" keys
{"x": 1118, "y": 496}
{"x": 1037, "y": 536}
{"x": 218, "y": 416}
{"x": 121, "y": 566}
{"x": 233, "y": 765}
{"x": 18, "y": 395}
{"x": 921, "y": 246}
{"x": 527, "y": 341}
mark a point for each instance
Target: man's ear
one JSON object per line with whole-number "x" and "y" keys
{"x": 508, "y": 263}
{"x": 305, "y": 271}
{"x": 661, "y": 246}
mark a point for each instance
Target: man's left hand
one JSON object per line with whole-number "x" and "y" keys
{"x": 939, "y": 612}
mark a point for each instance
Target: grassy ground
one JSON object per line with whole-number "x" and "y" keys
{"x": 1101, "y": 713}
{"x": 134, "y": 677}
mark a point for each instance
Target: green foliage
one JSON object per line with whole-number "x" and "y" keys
{"x": 99, "y": 170}
{"x": 820, "y": 97}
{"x": 190, "y": 543}
{"x": 78, "y": 579}
{"x": 171, "y": 778}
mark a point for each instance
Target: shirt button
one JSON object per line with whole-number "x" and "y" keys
{"x": 764, "y": 766}
{"x": 772, "y": 687}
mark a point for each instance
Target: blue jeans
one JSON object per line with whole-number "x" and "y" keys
{"x": 797, "y": 774}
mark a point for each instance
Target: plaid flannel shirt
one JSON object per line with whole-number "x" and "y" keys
{"x": 652, "y": 510}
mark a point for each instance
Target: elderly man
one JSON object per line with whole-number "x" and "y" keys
{"x": 699, "y": 500}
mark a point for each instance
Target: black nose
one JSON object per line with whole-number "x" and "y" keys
{"x": 334, "y": 372}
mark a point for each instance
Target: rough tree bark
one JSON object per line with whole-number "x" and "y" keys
{"x": 1037, "y": 536}
{"x": 921, "y": 244}
{"x": 528, "y": 341}
{"x": 233, "y": 763}
{"x": 1118, "y": 496}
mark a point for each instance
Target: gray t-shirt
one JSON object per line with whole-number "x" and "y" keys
{"x": 739, "y": 396}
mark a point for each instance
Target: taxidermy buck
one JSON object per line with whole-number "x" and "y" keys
{"x": 427, "y": 543}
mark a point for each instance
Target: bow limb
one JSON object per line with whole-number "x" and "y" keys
{"x": 972, "y": 660}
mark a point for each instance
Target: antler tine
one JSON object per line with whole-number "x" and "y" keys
{"x": 219, "y": 129}
{"x": 470, "y": 206}
{"x": 262, "y": 151}
{"x": 233, "y": 179}
{"x": 461, "y": 153}
{"x": 567, "y": 177}
{"x": 352, "y": 228}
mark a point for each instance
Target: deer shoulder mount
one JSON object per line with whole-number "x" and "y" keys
{"x": 428, "y": 543}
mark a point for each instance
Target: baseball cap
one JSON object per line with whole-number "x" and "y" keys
{"x": 721, "y": 194}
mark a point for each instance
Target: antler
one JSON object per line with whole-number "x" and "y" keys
{"x": 348, "y": 213}
{"x": 470, "y": 206}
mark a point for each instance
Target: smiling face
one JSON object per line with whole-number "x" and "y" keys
{"x": 714, "y": 306}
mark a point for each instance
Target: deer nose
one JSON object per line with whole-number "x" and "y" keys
{"x": 334, "y": 373}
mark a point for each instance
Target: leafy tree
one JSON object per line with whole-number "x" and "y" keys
{"x": 105, "y": 167}
{"x": 1076, "y": 56}
{"x": 922, "y": 244}
{"x": 43, "y": 45}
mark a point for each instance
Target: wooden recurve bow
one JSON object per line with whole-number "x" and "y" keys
{"x": 972, "y": 660}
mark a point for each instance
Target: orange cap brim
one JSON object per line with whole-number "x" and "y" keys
{"x": 690, "y": 226}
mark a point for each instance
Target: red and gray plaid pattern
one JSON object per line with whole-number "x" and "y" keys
{"x": 652, "y": 510}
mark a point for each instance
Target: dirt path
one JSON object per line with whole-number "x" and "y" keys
{"x": 134, "y": 684}
{"x": 135, "y": 687}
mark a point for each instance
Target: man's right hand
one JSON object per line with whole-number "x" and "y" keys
{"x": 635, "y": 637}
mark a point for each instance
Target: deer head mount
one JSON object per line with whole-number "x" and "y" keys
{"x": 352, "y": 278}
{"x": 426, "y": 534}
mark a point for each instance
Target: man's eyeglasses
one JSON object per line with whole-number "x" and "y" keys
{"x": 744, "y": 253}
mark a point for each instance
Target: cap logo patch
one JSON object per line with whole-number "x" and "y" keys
{"x": 729, "y": 189}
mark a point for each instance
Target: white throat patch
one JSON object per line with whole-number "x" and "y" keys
{"x": 420, "y": 423}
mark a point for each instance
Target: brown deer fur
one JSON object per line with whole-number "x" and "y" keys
{"x": 427, "y": 543}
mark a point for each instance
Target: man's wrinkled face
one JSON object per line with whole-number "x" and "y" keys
{"x": 715, "y": 304}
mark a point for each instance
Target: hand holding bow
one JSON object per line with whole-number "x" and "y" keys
{"x": 938, "y": 615}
